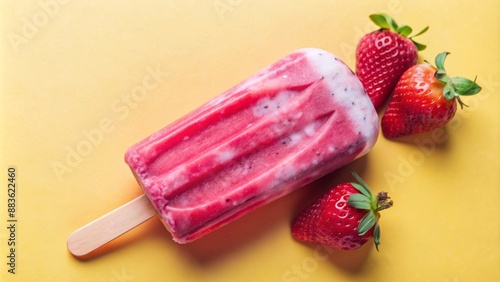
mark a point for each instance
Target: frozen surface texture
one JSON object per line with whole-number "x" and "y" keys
{"x": 292, "y": 122}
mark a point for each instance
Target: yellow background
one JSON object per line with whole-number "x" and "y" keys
{"x": 71, "y": 78}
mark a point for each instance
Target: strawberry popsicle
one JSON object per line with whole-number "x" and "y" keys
{"x": 292, "y": 122}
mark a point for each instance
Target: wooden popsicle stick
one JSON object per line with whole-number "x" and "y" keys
{"x": 110, "y": 226}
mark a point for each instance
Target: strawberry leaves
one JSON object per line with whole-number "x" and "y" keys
{"x": 373, "y": 204}
{"x": 367, "y": 223}
{"x": 360, "y": 201}
{"x": 454, "y": 86}
{"x": 384, "y": 21}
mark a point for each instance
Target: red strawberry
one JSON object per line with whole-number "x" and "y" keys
{"x": 383, "y": 55}
{"x": 425, "y": 98}
{"x": 346, "y": 217}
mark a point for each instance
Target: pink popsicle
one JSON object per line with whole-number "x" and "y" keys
{"x": 292, "y": 122}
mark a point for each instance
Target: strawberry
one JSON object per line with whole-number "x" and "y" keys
{"x": 425, "y": 98}
{"x": 383, "y": 55}
{"x": 346, "y": 217}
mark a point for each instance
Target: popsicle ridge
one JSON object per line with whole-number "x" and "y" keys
{"x": 274, "y": 125}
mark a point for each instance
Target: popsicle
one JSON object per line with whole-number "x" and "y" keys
{"x": 292, "y": 122}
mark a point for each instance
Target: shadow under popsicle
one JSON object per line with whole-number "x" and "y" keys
{"x": 245, "y": 232}
{"x": 238, "y": 235}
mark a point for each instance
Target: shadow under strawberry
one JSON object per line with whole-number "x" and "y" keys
{"x": 353, "y": 261}
{"x": 437, "y": 139}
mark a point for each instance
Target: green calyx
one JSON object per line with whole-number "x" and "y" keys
{"x": 373, "y": 204}
{"x": 384, "y": 21}
{"x": 454, "y": 86}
